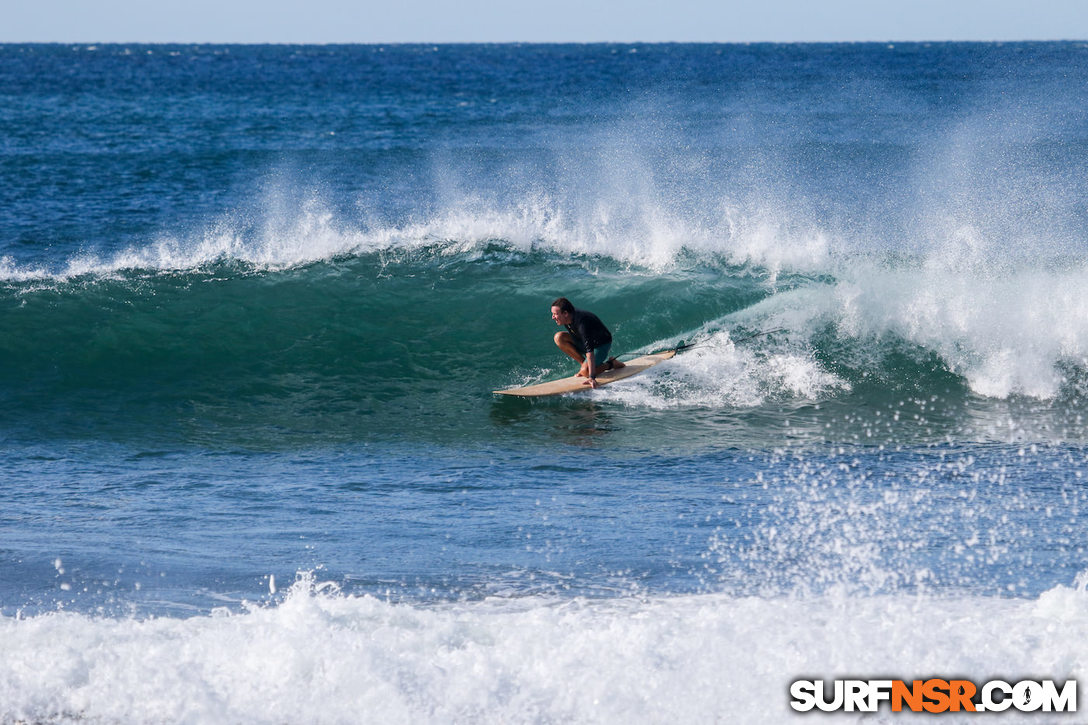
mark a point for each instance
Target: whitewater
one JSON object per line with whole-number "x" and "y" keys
{"x": 321, "y": 657}
{"x": 254, "y": 301}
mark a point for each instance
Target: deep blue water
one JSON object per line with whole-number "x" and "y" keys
{"x": 254, "y": 301}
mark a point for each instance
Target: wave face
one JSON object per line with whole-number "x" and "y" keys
{"x": 266, "y": 341}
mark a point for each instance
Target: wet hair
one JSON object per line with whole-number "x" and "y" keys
{"x": 563, "y": 304}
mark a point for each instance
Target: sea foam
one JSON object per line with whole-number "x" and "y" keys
{"x": 320, "y": 657}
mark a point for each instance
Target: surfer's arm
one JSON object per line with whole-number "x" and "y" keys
{"x": 592, "y": 380}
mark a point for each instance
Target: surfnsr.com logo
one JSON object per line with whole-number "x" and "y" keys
{"x": 934, "y": 695}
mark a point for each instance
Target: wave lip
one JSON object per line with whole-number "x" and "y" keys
{"x": 643, "y": 234}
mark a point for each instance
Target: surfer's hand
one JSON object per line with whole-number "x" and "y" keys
{"x": 592, "y": 382}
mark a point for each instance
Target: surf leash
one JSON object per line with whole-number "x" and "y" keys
{"x": 685, "y": 346}
{"x": 760, "y": 334}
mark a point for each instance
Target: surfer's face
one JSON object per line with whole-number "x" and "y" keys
{"x": 560, "y": 317}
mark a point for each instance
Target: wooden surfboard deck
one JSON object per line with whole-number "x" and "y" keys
{"x": 575, "y": 384}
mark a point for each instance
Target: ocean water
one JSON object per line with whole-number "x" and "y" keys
{"x": 254, "y": 301}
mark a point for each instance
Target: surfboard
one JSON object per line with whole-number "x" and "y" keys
{"x": 575, "y": 384}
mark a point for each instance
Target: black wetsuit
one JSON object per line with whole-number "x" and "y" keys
{"x": 588, "y": 331}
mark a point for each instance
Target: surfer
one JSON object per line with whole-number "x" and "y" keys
{"x": 586, "y": 340}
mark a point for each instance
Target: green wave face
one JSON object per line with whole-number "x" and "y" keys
{"x": 406, "y": 345}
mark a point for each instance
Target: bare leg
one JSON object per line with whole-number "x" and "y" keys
{"x": 566, "y": 343}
